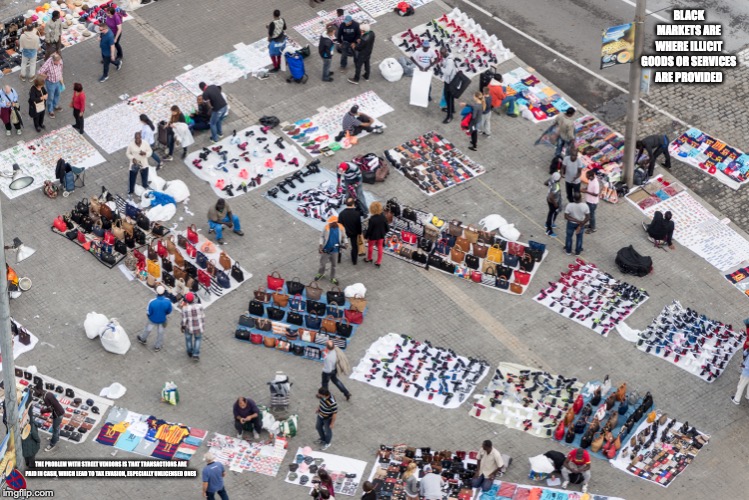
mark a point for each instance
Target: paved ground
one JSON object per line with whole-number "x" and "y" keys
{"x": 472, "y": 320}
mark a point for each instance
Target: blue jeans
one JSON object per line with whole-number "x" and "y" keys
{"x": 134, "y": 177}
{"x": 482, "y": 482}
{"x": 156, "y": 158}
{"x": 561, "y": 143}
{"x": 56, "y": 422}
{"x": 592, "y": 207}
{"x": 217, "y": 117}
{"x": 53, "y": 95}
{"x": 571, "y": 228}
{"x": 219, "y": 227}
{"x": 324, "y": 430}
{"x": 221, "y": 494}
{"x": 326, "y": 69}
{"x": 192, "y": 342}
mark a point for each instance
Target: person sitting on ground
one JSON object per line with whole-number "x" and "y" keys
{"x": 12, "y": 278}
{"x": 220, "y": 215}
{"x": 202, "y": 116}
{"x": 247, "y": 417}
{"x": 661, "y": 229}
{"x": 578, "y": 461}
{"x": 355, "y": 122}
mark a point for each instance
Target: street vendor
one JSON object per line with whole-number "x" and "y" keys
{"x": 655, "y": 145}
{"x": 661, "y": 229}
{"x": 578, "y": 461}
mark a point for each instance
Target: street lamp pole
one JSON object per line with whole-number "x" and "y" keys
{"x": 633, "y": 105}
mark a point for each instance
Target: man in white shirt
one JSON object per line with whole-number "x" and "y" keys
{"x": 431, "y": 484}
{"x": 577, "y": 214}
{"x": 591, "y": 199}
{"x": 490, "y": 463}
{"x": 424, "y": 59}
{"x": 572, "y": 167}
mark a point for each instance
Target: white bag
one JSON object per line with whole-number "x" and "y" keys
{"x": 391, "y": 70}
{"x": 161, "y": 213}
{"x": 509, "y": 232}
{"x": 114, "y": 338}
{"x": 492, "y": 222}
{"x": 355, "y": 290}
{"x": 94, "y": 324}
{"x": 177, "y": 189}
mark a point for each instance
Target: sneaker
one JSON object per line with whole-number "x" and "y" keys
{"x": 220, "y": 241}
{"x": 239, "y": 435}
{"x": 590, "y": 231}
{"x": 472, "y": 148}
{"x": 7, "y": 132}
{"x": 325, "y": 446}
{"x": 19, "y": 131}
{"x": 735, "y": 401}
{"x": 23, "y": 78}
{"x": 214, "y": 141}
{"x": 239, "y": 233}
{"x": 103, "y": 79}
{"x": 167, "y": 158}
{"x": 318, "y": 277}
{"x": 551, "y": 234}
{"x": 585, "y": 488}
{"x": 255, "y": 435}
{"x": 196, "y": 358}
{"x": 334, "y": 281}
{"x": 565, "y": 484}
{"x": 119, "y": 66}
{"x": 355, "y": 82}
{"x": 51, "y": 114}
{"x": 319, "y": 441}
{"x": 156, "y": 349}
{"x": 568, "y": 253}
{"x": 49, "y": 448}
{"x": 138, "y": 337}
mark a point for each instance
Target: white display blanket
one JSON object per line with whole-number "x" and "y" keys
{"x": 519, "y": 396}
{"x": 336, "y": 466}
{"x": 722, "y": 161}
{"x": 18, "y": 347}
{"x": 242, "y": 157}
{"x": 592, "y": 298}
{"x": 239, "y": 455}
{"x": 313, "y": 28}
{"x": 538, "y": 101}
{"x": 377, "y": 8}
{"x": 420, "y": 371}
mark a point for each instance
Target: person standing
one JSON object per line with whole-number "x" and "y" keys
{"x": 114, "y": 23}
{"x": 327, "y": 411}
{"x": 332, "y": 240}
{"x": 37, "y": 102}
{"x": 193, "y": 325}
{"x": 363, "y": 49}
{"x": 486, "y": 116}
{"x": 137, "y": 154}
{"x": 490, "y": 464}
{"x": 347, "y": 37}
{"x": 108, "y": 51}
{"x": 326, "y": 48}
{"x": 213, "y": 96}
{"x": 431, "y": 484}
{"x": 655, "y": 145}
{"x": 213, "y": 478}
{"x": 276, "y": 42}
{"x": 9, "y": 110}
{"x": 448, "y": 74}
{"x": 148, "y": 134}
{"x": 424, "y": 59}
{"x": 350, "y": 218}
{"x": 158, "y": 311}
{"x": 577, "y": 215}
{"x": 591, "y": 198}
{"x": 335, "y": 358}
{"x": 477, "y": 109}
{"x": 578, "y": 461}
{"x": 566, "y": 129}
{"x": 247, "y": 417}
{"x": 377, "y": 229}
{"x": 79, "y": 106}
{"x": 30, "y": 443}
{"x": 28, "y": 44}
{"x": 53, "y": 35}
{"x": 51, "y": 404}
{"x": 369, "y": 491}
{"x": 411, "y": 481}
{"x": 743, "y": 380}
{"x": 572, "y": 167}
{"x": 220, "y": 215}
{"x": 554, "y": 202}
{"x": 53, "y": 82}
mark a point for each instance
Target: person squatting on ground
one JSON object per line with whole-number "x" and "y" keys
{"x": 577, "y": 215}
{"x": 661, "y": 229}
{"x": 566, "y": 128}
{"x": 377, "y": 229}
{"x": 193, "y": 325}
{"x": 179, "y": 131}
{"x": 332, "y": 240}
{"x": 247, "y": 417}
{"x": 554, "y": 202}
{"x": 350, "y": 173}
{"x": 578, "y": 461}
{"x": 220, "y": 215}
{"x": 276, "y": 41}
{"x": 355, "y": 122}
{"x": 655, "y": 145}
{"x": 158, "y": 311}
{"x": 431, "y": 484}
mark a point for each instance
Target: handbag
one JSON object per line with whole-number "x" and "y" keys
{"x": 522, "y": 277}
{"x": 516, "y": 288}
{"x": 237, "y": 273}
{"x": 118, "y": 231}
{"x": 192, "y": 234}
{"x": 152, "y": 252}
{"x": 81, "y": 237}
{"x": 463, "y": 244}
{"x": 511, "y": 260}
{"x": 294, "y": 286}
{"x": 431, "y": 233}
{"x": 294, "y": 318}
{"x": 280, "y": 299}
{"x": 425, "y": 244}
{"x": 179, "y": 259}
{"x": 515, "y": 248}
{"x": 472, "y": 262}
{"x": 140, "y": 236}
{"x": 307, "y": 335}
{"x": 476, "y": 276}
{"x": 313, "y": 291}
{"x": 489, "y": 277}
{"x": 131, "y": 210}
{"x": 153, "y": 268}
{"x": 502, "y": 283}
{"x": 201, "y": 260}
{"x": 538, "y": 247}
{"x": 261, "y": 295}
{"x": 486, "y": 237}
{"x": 329, "y": 323}
{"x": 393, "y": 207}
{"x": 503, "y": 271}
{"x": 143, "y": 222}
{"x": 488, "y": 266}
{"x": 256, "y": 308}
{"x": 405, "y": 252}
{"x": 455, "y": 228}
{"x": 159, "y": 230}
{"x": 296, "y": 303}
{"x": 167, "y": 278}
{"x": 179, "y": 273}
{"x": 208, "y": 247}
{"x": 245, "y": 320}
{"x": 224, "y": 261}
{"x": 353, "y": 316}
{"x": 59, "y": 224}
{"x": 527, "y": 263}
{"x": 358, "y": 303}
{"x": 166, "y": 264}
{"x": 471, "y": 234}
{"x": 315, "y": 307}
{"x": 410, "y": 214}
{"x": 191, "y": 251}
{"x": 256, "y": 338}
{"x": 494, "y": 254}
{"x": 108, "y": 258}
{"x": 106, "y": 212}
{"x": 222, "y": 279}
{"x": 191, "y": 270}
{"x": 181, "y": 241}
{"x": 204, "y": 278}
{"x": 264, "y": 325}
{"x": 480, "y": 250}
{"x": 457, "y": 255}
{"x": 409, "y": 238}
{"x": 336, "y": 296}
{"x": 127, "y": 225}
{"x": 275, "y": 281}
{"x": 210, "y": 267}
{"x": 442, "y": 247}
{"x": 462, "y": 272}
{"x": 241, "y": 334}
{"x": 96, "y": 229}
{"x": 275, "y": 313}
{"x": 344, "y": 329}
{"x": 313, "y": 321}
{"x": 335, "y": 311}
{"x": 131, "y": 262}
{"x": 419, "y": 257}
{"x": 170, "y": 246}
{"x": 269, "y": 341}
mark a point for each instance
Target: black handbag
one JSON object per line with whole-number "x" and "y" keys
{"x": 191, "y": 270}
{"x": 436, "y": 261}
{"x": 107, "y": 258}
{"x": 294, "y": 318}
{"x": 72, "y": 235}
{"x": 121, "y": 247}
{"x": 458, "y": 84}
{"x": 344, "y": 329}
{"x": 527, "y": 263}
{"x": 294, "y": 286}
{"x": 140, "y": 236}
{"x": 158, "y": 229}
{"x": 166, "y": 264}
{"x": 503, "y": 271}
{"x": 425, "y": 244}
{"x": 297, "y": 349}
{"x": 276, "y": 313}
{"x": 409, "y": 214}
{"x": 201, "y": 260}
{"x": 246, "y": 320}
{"x": 472, "y": 262}
{"x": 336, "y": 296}
{"x": 242, "y": 334}
{"x": 167, "y": 278}
{"x": 313, "y": 321}
{"x": 237, "y": 273}
{"x": 142, "y": 221}
{"x": 419, "y": 257}
{"x": 256, "y": 308}
{"x": 315, "y": 307}
{"x": 129, "y": 241}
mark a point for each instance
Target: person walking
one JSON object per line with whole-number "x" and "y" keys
{"x": 53, "y": 35}
{"x": 148, "y": 134}
{"x": 591, "y": 199}
{"x": 485, "y": 127}
{"x": 655, "y": 145}
{"x": 431, "y": 484}
{"x": 193, "y": 325}
{"x": 572, "y": 167}
{"x": 332, "y": 240}
{"x": 213, "y": 478}
{"x": 114, "y": 23}
{"x": 377, "y": 229}
{"x": 78, "y": 103}
{"x": 743, "y": 380}
{"x": 52, "y": 405}
{"x": 9, "y": 110}
{"x": 577, "y": 215}
{"x": 108, "y": 51}
{"x": 347, "y": 36}
{"x": 566, "y": 128}
{"x": 554, "y": 202}
{"x": 53, "y": 82}
{"x": 363, "y": 54}
{"x": 29, "y": 44}
{"x": 213, "y": 96}
{"x": 350, "y": 218}
{"x": 411, "y": 481}
{"x": 327, "y": 411}
{"x": 448, "y": 74}
{"x": 276, "y": 41}
{"x": 326, "y": 47}
{"x": 137, "y": 154}
{"x": 158, "y": 311}
{"x": 335, "y": 359}
{"x": 247, "y": 417}
{"x": 490, "y": 464}
{"x": 38, "y": 102}
{"x": 220, "y": 215}
{"x": 477, "y": 109}
{"x": 30, "y": 443}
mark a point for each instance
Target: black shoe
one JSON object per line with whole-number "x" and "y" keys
{"x": 282, "y": 187}
{"x": 448, "y": 119}
{"x": 289, "y": 182}
{"x": 279, "y": 143}
{"x": 472, "y": 148}
{"x": 273, "y": 193}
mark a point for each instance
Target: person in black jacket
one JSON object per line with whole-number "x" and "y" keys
{"x": 326, "y": 47}
{"x": 655, "y": 145}
{"x": 661, "y": 229}
{"x": 363, "y": 54}
{"x": 347, "y": 38}
{"x": 377, "y": 229}
{"x": 52, "y": 405}
{"x": 351, "y": 220}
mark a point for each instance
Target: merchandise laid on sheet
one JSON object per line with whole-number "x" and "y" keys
{"x": 317, "y": 134}
{"x": 725, "y": 163}
{"x": 538, "y": 101}
{"x": 465, "y": 251}
{"x": 345, "y": 472}
{"x": 602, "y": 418}
{"x": 505, "y": 490}
{"x": 83, "y": 410}
{"x": 472, "y": 48}
{"x": 660, "y": 450}
{"x": 239, "y": 455}
{"x": 691, "y": 341}
{"x": 419, "y": 370}
{"x": 654, "y": 192}
{"x": 313, "y": 28}
{"x": 433, "y": 163}
{"x": 23, "y": 340}
{"x": 149, "y": 436}
{"x": 299, "y": 319}
{"x": 187, "y": 261}
{"x": 599, "y": 144}
{"x": 244, "y": 160}
{"x": 315, "y": 199}
{"x": 157, "y": 102}
{"x": 377, "y": 8}
{"x": 740, "y": 279}
{"x": 591, "y": 297}
{"x": 527, "y": 399}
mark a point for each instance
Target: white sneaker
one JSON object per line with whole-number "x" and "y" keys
{"x": 7, "y": 132}
{"x": 255, "y": 435}
{"x": 239, "y": 436}
{"x": 326, "y": 446}
{"x": 565, "y": 484}
{"x": 585, "y": 488}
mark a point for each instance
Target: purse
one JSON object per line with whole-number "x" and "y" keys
{"x": 307, "y": 335}
{"x": 256, "y": 308}
{"x": 455, "y": 228}
{"x": 515, "y": 288}
{"x": 179, "y": 273}
{"x": 181, "y": 241}
{"x": 296, "y": 303}
{"x": 313, "y": 291}
{"x": 486, "y": 237}
{"x": 538, "y": 248}
{"x": 522, "y": 277}
{"x": 476, "y": 276}
{"x": 153, "y": 268}
{"x": 143, "y": 222}
{"x": 210, "y": 267}
{"x": 241, "y": 334}
{"x": 489, "y": 277}
{"x": 480, "y": 250}
{"x": 118, "y": 231}
{"x": 179, "y": 259}
{"x": 393, "y": 207}
{"x": 315, "y": 307}
{"x": 335, "y": 311}
{"x": 431, "y": 233}
{"x": 280, "y": 299}
{"x": 159, "y": 230}
{"x": 81, "y": 236}
{"x": 294, "y": 318}
{"x": 256, "y": 338}
{"x": 204, "y": 278}
{"x": 248, "y": 321}
{"x": 425, "y": 245}
{"x": 201, "y": 260}
{"x": 358, "y": 303}
{"x": 222, "y": 279}
{"x": 409, "y": 238}
{"x": 224, "y": 261}
{"x": 261, "y": 295}
{"x": 405, "y": 252}
{"x": 494, "y": 254}
{"x": 127, "y": 225}
{"x": 167, "y": 278}
{"x": 237, "y": 273}
{"x": 472, "y": 262}
{"x": 344, "y": 328}
{"x": 503, "y": 271}
{"x": 511, "y": 260}
{"x": 275, "y": 281}
{"x": 457, "y": 255}
{"x": 410, "y": 214}
{"x": 275, "y": 313}
{"x": 166, "y": 264}
{"x": 502, "y": 283}
{"x": 140, "y": 236}
{"x": 96, "y": 229}
{"x": 471, "y": 233}
{"x": 353, "y": 316}
{"x": 294, "y": 286}
{"x": 264, "y": 325}
{"x": 106, "y": 212}
{"x": 192, "y": 234}
{"x": 463, "y": 244}
{"x": 269, "y": 341}
{"x": 488, "y": 266}
{"x": 336, "y": 296}
{"x": 191, "y": 251}
{"x": 515, "y": 248}
{"x": 329, "y": 323}
{"x": 313, "y": 321}
{"x": 527, "y": 263}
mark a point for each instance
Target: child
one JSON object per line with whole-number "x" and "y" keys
{"x": 79, "y": 106}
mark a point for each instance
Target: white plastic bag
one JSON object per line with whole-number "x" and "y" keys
{"x": 114, "y": 338}
{"x": 177, "y": 189}
{"x": 94, "y": 324}
{"x": 161, "y": 213}
{"x": 355, "y": 290}
{"x": 509, "y": 232}
{"x": 492, "y": 222}
{"x": 391, "y": 70}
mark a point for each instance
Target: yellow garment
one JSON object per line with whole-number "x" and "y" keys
{"x": 12, "y": 276}
{"x": 121, "y": 427}
{"x": 172, "y": 434}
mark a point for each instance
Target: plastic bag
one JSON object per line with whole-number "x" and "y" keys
{"x": 492, "y": 222}
{"x": 170, "y": 393}
{"x": 391, "y": 70}
{"x": 94, "y": 324}
{"x": 114, "y": 338}
{"x": 161, "y": 213}
{"x": 509, "y": 232}
{"x": 177, "y": 189}
{"x": 289, "y": 426}
{"x": 355, "y": 290}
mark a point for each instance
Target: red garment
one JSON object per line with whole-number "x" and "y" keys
{"x": 79, "y": 101}
{"x": 573, "y": 458}
{"x": 498, "y": 95}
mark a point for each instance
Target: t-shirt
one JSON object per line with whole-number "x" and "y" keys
{"x": 127, "y": 441}
{"x": 213, "y": 95}
{"x": 490, "y": 461}
{"x": 213, "y": 474}
{"x": 593, "y": 187}
{"x": 424, "y": 58}
{"x": 106, "y": 41}
{"x": 328, "y": 407}
{"x": 249, "y": 409}
{"x": 113, "y": 22}
{"x": 577, "y": 211}
{"x": 573, "y": 458}
{"x": 572, "y": 169}
{"x": 349, "y": 122}
{"x": 328, "y": 364}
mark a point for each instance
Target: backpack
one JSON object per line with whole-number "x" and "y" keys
{"x": 269, "y": 121}
{"x": 639, "y": 177}
{"x": 630, "y": 261}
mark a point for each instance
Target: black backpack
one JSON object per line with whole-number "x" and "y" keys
{"x": 269, "y": 121}
{"x": 630, "y": 261}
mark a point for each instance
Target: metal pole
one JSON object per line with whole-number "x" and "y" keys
{"x": 633, "y": 105}
{"x": 9, "y": 366}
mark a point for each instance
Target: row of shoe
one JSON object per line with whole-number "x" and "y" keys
{"x": 298, "y": 176}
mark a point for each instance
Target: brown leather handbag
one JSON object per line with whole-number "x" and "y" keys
{"x": 489, "y": 267}
{"x": 210, "y": 267}
{"x": 94, "y": 205}
{"x": 106, "y": 212}
{"x": 179, "y": 259}
{"x": 516, "y": 288}
{"x": 405, "y": 252}
{"x": 179, "y": 273}
{"x": 170, "y": 246}
{"x": 471, "y": 233}
{"x": 463, "y": 244}
{"x": 480, "y": 250}
{"x": 128, "y": 225}
{"x": 262, "y": 295}
{"x": 280, "y": 299}
{"x": 118, "y": 231}
{"x": 455, "y": 228}
{"x": 457, "y": 255}
{"x": 224, "y": 261}
{"x": 597, "y": 443}
{"x": 329, "y": 323}
{"x": 270, "y": 341}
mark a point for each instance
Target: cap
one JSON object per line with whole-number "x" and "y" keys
{"x": 354, "y": 109}
{"x": 427, "y": 468}
{"x": 343, "y": 166}
{"x": 348, "y": 19}
{"x": 189, "y": 297}
{"x": 556, "y": 176}
{"x": 160, "y": 290}
{"x": 425, "y": 43}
